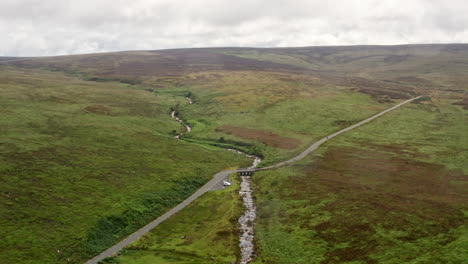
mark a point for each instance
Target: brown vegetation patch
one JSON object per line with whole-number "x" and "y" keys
{"x": 383, "y": 93}
{"x": 378, "y": 89}
{"x": 385, "y": 172}
{"x": 98, "y": 109}
{"x": 265, "y": 137}
{"x": 185, "y": 61}
{"x": 137, "y": 65}
{"x": 401, "y": 150}
{"x": 376, "y": 189}
{"x": 463, "y": 103}
{"x": 414, "y": 80}
{"x": 396, "y": 58}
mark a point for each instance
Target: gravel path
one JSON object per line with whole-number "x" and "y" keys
{"x": 223, "y": 175}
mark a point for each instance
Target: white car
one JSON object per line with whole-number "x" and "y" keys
{"x": 226, "y": 183}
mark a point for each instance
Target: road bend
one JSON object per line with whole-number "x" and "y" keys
{"x": 218, "y": 177}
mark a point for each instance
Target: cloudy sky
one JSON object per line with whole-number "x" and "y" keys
{"x": 55, "y": 27}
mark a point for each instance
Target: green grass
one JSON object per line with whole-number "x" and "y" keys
{"x": 434, "y": 130}
{"x": 204, "y": 232}
{"x": 324, "y": 224}
{"x": 258, "y": 101}
{"x": 376, "y": 194}
{"x": 100, "y": 156}
{"x": 85, "y": 163}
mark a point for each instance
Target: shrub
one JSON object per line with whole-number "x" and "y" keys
{"x": 149, "y": 206}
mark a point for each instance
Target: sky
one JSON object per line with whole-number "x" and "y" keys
{"x": 60, "y": 27}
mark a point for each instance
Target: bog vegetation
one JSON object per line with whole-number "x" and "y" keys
{"x": 89, "y": 154}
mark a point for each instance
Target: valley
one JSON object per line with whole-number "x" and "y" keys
{"x": 89, "y": 154}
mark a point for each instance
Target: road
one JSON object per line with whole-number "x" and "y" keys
{"x": 218, "y": 177}
{"x": 325, "y": 139}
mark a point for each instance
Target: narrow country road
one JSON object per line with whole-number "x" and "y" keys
{"x": 117, "y": 247}
{"x": 323, "y": 140}
{"x": 219, "y": 177}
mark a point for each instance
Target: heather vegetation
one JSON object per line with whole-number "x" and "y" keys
{"x": 84, "y": 164}
{"x": 374, "y": 195}
{"x": 88, "y": 154}
{"x": 251, "y": 112}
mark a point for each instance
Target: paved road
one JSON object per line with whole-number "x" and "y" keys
{"x": 218, "y": 177}
{"x": 205, "y": 188}
{"x": 323, "y": 140}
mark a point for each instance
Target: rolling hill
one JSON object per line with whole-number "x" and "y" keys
{"x": 89, "y": 154}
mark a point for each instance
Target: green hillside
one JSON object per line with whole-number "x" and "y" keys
{"x": 85, "y": 163}
{"x": 88, "y": 154}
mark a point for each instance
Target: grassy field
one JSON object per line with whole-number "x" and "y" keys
{"x": 204, "y": 232}
{"x": 88, "y": 154}
{"x": 85, "y": 163}
{"x": 274, "y": 115}
{"x": 377, "y": 194}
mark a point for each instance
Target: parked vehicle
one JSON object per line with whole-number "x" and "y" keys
{"x": 226, "y": 183}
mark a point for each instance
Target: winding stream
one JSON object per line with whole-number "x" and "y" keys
{"x": 187, "y": 127}
{"x": 246, "y": 234}
{"x": 247, "y": 220}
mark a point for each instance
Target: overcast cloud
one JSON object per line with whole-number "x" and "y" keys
{"x": 55, "y": 27}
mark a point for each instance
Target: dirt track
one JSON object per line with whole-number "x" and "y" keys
{"x": 218, "y": 177}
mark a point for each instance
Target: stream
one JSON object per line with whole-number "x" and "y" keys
{"x": 187, "y": 127}
{"x": 247, "y": 220}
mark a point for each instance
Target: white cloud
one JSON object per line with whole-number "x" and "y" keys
{"x": 52, "y": 27}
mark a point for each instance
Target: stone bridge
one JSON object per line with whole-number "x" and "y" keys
{"x": 246, "y": 172}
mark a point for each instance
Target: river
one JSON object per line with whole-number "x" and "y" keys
{"x": 247, "y": 219}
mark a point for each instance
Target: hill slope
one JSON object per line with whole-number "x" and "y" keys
{"x": 88, "y": 152}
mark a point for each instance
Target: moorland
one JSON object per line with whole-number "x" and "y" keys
{"x": 89, "y": 154}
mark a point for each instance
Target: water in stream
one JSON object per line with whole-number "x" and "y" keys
{"x": 187, "y": 127}
{"x": 247, "y": 220}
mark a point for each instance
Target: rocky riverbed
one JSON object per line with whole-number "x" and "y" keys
{"x": 247, "y": 219}
{"x": 187, "y": 127}
{"x": 247, "y": 222}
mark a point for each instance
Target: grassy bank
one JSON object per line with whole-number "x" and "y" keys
{"x": 204, "y": 232}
